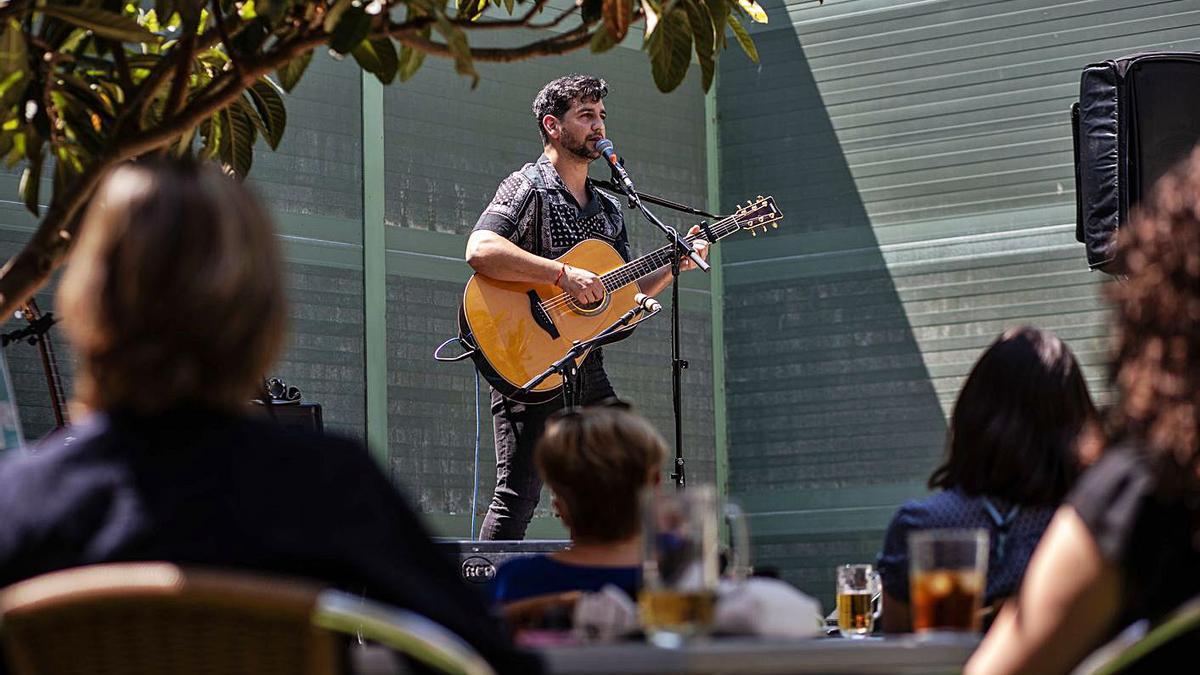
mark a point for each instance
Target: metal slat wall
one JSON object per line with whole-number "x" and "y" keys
{"x": 447, "y": 148}
{"x": 921, "y": 153}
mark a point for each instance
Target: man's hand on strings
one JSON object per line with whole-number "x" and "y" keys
{"x": 581, "y": 284}
{"x": 701, "y": 247}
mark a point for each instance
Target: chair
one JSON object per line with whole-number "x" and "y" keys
{"x": 1140, "y": 652}
{"x": 151, "y": 618}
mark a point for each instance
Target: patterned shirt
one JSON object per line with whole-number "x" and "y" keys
{"x": 1010, "y": 545}
{"x": 535, "y": 210}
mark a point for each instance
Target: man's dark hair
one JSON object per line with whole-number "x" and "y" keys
{"x": 556, "y": 97}
{"x": 1017, "y": 420}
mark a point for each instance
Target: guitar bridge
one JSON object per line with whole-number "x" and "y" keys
{"x": 540, "y": 317}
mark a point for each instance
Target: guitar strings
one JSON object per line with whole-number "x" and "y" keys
{"x": 564, "y": 299}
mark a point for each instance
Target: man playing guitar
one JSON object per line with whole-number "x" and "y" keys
{"x": 539, "y": 213}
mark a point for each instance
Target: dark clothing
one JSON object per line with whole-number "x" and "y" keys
{"x": 1011, "y": 541}
{"x": 536, "y": 575}
{"x": 517, "y": 428}
{"x": 209, "y": 489}
{"x": 535, "y": 210}
{"x": 1148, "y": 539}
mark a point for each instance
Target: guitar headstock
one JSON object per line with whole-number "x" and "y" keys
{"x": 757, "y": 213}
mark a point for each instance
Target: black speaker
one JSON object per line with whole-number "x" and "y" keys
{"x": 1137, "y": 116}
{"x": 478, "y": 560}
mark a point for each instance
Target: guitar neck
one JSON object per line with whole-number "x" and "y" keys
{"x": 636, "y": 269}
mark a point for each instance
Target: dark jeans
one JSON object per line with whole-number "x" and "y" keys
{"x": 517, "y": 428}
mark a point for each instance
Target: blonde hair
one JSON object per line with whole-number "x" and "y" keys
{"x": 173, "y": 294}
{"x": 597, "y": 461}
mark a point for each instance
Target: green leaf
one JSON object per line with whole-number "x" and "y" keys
{"x": 602, "y": 41}
{"x": 351, "y": 30}
{"x": 719, "y": 11}
{"x": 211, "y": 130}
{"x": 292, "y": 71}
{"x": 14, "y": 63}
{"x": 31, "y": 180}
{"x": 743, "y": 38}
{"x": 617, "y": 15}
{"x": 18, "y": 149}
{"x": 105, "y": 24}
{"x": 335, "y": 13}
{"x": 753, "y": 10}
{"x": 456, "y": 40}
{"x": 378, "y": 57}
{"x": 410, "y": 61}
{"x": 251, "y": 114}
{"x": 268, "y": 104}
{"x": 471, "y": 9}
{"x": 670, "y": 47}
{"x": 237, "y": 146}
{"x": 508, "y": 6}
{"x": 703, "y": 39}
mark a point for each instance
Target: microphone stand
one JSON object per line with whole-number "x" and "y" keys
{"x": 568, "y": 367}
{"x": 682, "y": 247}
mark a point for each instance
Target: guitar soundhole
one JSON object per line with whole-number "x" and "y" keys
{"x": 591, "y": 307}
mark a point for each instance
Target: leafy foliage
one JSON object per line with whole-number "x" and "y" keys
{"x": 91, "y": 83}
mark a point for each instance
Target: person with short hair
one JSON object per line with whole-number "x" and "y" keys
{"x": 1011, "y": 458}
{"x": 539, "y": 213}
{"x": 596, "y": 461}
{"x": 1126, "y": 545}
{"x": 174, "y": 301}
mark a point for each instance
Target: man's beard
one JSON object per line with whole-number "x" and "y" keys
{"x": 580, "y": 149}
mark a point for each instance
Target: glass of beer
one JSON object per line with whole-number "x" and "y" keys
{"x": 947, "y": 579}
{"x": 680, "y": 564}
{"x": 858, "y": 600}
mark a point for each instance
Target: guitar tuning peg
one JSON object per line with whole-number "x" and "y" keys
{"x": 753, "y": 232}
{"x": 775, "y": 225}
{"x": 759, "y": 198}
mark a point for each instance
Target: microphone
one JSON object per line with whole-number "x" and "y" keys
{"x": 605, "y": 148}
{"x": 647, "y": 303}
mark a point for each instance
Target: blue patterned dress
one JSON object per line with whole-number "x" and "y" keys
{"x": 1014, "y": 533}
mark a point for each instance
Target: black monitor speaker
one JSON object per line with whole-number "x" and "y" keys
{"x": 1137, "y": 116}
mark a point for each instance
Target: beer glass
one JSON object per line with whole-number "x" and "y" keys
{"x": 858, "y": 600}
{"x": 680, "y": 538}
{"x": 947, "y": 579}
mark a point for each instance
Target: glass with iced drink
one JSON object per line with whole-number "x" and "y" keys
{"x": 947, "y": 579}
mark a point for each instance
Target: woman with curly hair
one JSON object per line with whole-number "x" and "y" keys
{"x": 1126, "y": 546}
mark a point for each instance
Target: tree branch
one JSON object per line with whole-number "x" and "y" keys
{"x": 502, "y": 23}
{"x": 183, "y": 69}
{"x": 29, "y": 269}
{"x": 118, "y": 52}
{"x": 563, "y": 43}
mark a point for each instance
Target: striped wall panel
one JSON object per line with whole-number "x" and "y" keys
{"x": 921, "y": 153}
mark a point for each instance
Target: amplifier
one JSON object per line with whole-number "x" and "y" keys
{"x": 478, "y": 560}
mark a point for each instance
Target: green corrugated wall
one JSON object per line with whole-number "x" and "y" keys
{"x": 921, "y": 153}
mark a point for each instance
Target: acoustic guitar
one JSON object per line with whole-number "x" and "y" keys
{"x": 517, "y": 330}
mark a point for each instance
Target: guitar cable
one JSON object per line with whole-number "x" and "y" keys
{"x": 475, "y": 487}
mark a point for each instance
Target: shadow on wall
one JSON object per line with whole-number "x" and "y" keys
{"x": 833, "y": 419}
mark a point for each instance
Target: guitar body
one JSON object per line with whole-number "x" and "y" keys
{"x": 520, "y": 329}
{"x": 516, "y": 331}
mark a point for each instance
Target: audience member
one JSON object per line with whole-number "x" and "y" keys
{"x": 1011, "y": 459}
{"x": 174, "y": 301}
{"x": 596, "y": 462}
{"x": 1126, "y": 546}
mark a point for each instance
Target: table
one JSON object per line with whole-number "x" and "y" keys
{"x": 750, "y": 656}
